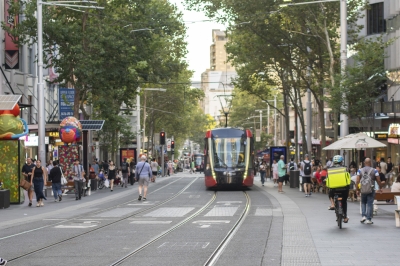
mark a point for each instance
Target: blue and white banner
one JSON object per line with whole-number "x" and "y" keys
{"x": 65, "y": 102}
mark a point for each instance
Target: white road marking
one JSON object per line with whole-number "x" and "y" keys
{"x": 227, "y": 203}
{"x": 75, "y": 226}
{"x": 170, "y": 212}
{"x": 222, "y": 211}
{"x": 150, "y": 222}
{"x": 212, "y": 222}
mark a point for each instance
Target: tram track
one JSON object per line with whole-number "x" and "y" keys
{"x": 216, "y": 253}
{"x": 86, "y": 214}
{"x": 103, "y": 226}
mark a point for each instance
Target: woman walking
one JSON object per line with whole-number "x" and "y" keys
{"x": 112, "y": 171}
{"x": 143, "y": 173}
{"x": 154, "y": 169}
{"x": 275, "y": 172}
{"x": 38, "y": 178}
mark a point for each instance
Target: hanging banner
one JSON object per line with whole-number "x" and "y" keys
{"x": 11, "y": 49}
{"x": 65, "y": 103}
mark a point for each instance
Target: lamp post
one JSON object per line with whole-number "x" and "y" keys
{"x": 41, "y": 118}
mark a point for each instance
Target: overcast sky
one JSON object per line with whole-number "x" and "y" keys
{"x": 198, "y": 39}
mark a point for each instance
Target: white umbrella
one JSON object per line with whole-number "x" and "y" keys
{"x": 355, "y": 141}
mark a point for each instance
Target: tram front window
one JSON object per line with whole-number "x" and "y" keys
{"x": 229, "y": 153}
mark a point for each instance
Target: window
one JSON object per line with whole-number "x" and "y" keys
{"x": 375, "y": 20}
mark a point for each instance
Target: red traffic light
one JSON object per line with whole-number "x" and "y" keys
{"x": 162, "y": 138}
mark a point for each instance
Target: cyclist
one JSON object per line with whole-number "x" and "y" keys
{"x": 338, "y": 182}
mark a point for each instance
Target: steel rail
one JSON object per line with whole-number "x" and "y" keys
{"x": 218, "y": 251}
{"x": 155, "y": 239}
{"x": 103, "y": 226}
{"x": 85, "y": 215}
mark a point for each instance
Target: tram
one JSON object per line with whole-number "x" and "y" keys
{"x": 198, "y": 159}
{"x": 228, "y": 157}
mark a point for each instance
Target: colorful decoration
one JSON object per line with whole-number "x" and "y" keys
{"x": 12, "y": 127}
{"x": 11, "y": 161}
{"x": 70, "y": 130}
{"x": 67, "y": 156}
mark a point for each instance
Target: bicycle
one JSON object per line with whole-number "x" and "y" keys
{"x": 101, "y": 183}
{"x": 338, "y": 210}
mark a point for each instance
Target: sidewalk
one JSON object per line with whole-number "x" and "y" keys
{"x": 312, "y": 237}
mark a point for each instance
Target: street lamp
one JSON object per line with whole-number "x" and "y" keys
{"x": 225, "y": 107}
{"x": 41, "y": 118}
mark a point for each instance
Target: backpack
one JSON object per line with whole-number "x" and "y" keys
{"x": 291, "y": 165}
{"x": 366, "y": 182}
{"x": 307, "y": 168}
{"x": 124, "y": 167}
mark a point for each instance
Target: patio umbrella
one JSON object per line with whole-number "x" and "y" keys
{"x": 355, "y": 141}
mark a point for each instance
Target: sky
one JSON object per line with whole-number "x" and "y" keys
{"x": 198, "y": 39}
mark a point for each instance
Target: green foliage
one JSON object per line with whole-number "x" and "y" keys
{"x": 361, "y": 81}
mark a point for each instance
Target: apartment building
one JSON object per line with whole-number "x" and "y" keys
{"x": 216, "y": 82}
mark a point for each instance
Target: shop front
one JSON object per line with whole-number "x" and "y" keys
{"x": 393, "y": 142}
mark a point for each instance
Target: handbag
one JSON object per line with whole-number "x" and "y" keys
{"x": 25, "y": 184}
{"x": 107, "y": 183}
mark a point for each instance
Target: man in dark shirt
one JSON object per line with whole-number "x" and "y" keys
{"x": 55, "y": 178}
{"x": 382, "y": 176}
{"x": 27, "y": 172}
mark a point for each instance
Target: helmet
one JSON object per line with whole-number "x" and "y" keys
{"x": 337, "y": 159}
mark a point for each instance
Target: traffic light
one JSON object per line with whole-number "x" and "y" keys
{"x": 172, "y": 147}
{"x": 162, "y": 138}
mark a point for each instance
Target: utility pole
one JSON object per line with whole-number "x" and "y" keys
{"x": 309, "y": 121}
{"x": 275, "y": 120}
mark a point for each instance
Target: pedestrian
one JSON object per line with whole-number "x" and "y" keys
{"x": 55, "y": 178}
{"x": 383, "y": 166}
{"x": 132, "y": 166}
{"x": 171, "y": 167}
{"x": 49, "y": 166}
{"x": 154, "y": 169}
{"x": 125, "y": 172}
{"x": 112, "y": 173}
{"x": 389, "y": 171}
{"x": 96, "y": 168}
{"x": 78, "y": 174}
{"x": 192, "y": 169}
{"x": 2, "y": 262}
{"x": 366, "y": 177}
{"x": 27, "y": 173}
{"x": 281, "y": 173}
{"x": 38, "y": 179}
{"x": 381, "y": 176}
{"x": 329, "y": 163}
{"x": 105, "y": 167}
{"x": 143, "y": 171}
{"x": 166, "y": 169}
{"x": 396, "y": 185}
{"x": 306, "y": 171}
{"x": 262, "y": 173}
{"x": 275, "y": 172}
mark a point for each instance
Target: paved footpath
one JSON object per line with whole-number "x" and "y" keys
{"x": 312, "y": 237}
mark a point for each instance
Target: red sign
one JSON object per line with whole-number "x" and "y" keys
{"x": 11, "y": 49}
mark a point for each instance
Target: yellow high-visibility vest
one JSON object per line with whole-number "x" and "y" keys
{"x": 338, "y": 177}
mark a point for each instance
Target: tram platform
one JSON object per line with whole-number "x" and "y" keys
{"x": 310, "y": 235}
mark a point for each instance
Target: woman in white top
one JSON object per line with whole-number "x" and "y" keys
{"x": 275, "y": 171}
{"x": 154, "y": 169}
{"x": 396, "y": 185}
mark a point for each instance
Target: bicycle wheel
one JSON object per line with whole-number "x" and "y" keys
{"x": 339, "y": 220}
{"x": 101, "y": 184}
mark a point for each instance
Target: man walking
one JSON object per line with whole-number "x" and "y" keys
{"x": 281, "y": 173}
{"x": 27, "y": 172}
{"x": 125, "y": 172}
{"x": 55, "y": 178}
{"x": 96, "y": 167}
{"x": 143, "y": 173}
{"x": 367, "y": 176}
{"x": 78, "y": 174}
{"x": 306, "y": 168}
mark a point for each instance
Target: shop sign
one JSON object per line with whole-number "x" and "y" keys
{"x": 53, "y": 134}
{"x": 394, "y": 130}
{"x": 393, "y": 141}
{"x": 381, "y": 136}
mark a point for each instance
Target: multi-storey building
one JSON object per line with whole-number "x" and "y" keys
{"x": 216, "y": 82}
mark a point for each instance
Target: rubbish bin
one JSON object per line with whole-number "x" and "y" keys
{"x": 93, "y": 184}
{"x": 4, "y": 198}
{"x": 294, "y": 178}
